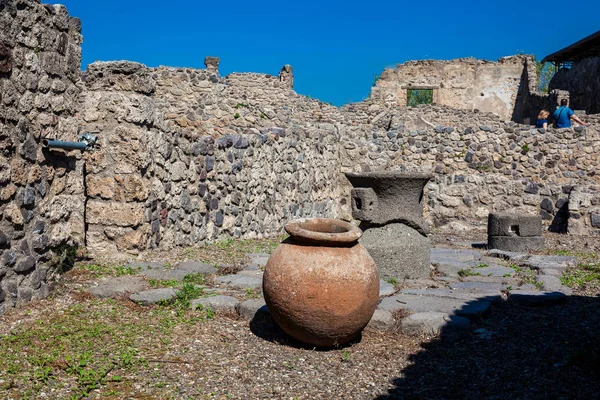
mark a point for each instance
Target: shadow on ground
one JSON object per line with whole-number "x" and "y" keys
{"x": 263, "y": 326}
{"x": 516, "y": 352}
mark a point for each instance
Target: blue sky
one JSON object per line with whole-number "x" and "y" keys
{"x": 336, "y": 47}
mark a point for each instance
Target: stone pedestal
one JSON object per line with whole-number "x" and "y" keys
{"x": 390, "y": 208}
{"x": 515, "y": 232}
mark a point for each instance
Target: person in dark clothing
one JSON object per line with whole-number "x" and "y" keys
{"x": 563, "y": 116}
{"x": 542, "y": 120}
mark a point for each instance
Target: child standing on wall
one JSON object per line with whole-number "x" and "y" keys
{"x": 542, "y": 119}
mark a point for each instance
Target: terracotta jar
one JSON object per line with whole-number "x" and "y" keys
{"x": 321, "y": 285}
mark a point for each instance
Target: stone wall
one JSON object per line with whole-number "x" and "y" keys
{"x": 482, "y": 164}
{"x": 582, "y": 81}
{"x": 41, "y": 192}
{"x": 188, "y": 156}
{"x": 465, "y": 83}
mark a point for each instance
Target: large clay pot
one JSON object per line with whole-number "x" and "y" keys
{"x": 321, "y": 285}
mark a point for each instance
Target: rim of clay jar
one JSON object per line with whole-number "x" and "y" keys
{"x": 323, "y": 230}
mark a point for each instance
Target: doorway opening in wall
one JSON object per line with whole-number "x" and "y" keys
{"x": 419, "y": 96}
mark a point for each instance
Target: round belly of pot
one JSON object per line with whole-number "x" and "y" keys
{"x": 321, "y": 285}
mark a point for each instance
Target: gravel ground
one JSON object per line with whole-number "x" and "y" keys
{"x": 167, "y": 353}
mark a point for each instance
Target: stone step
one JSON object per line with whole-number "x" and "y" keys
{"x": 194, "y": 267}
{"x": 153, "y": 296}
{"x": 220, "y": 304}
{"x": 474, "y": 308}
{"x": 118, "y": 286}
{"x": 240, "y": 281}
{"x": 531, "y": 298}
{"x": 435, "y": 324}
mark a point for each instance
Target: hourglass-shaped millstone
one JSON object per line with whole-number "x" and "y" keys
{"x": 390, "y": 208}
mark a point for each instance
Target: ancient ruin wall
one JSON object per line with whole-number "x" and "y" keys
{"x": 41, "y": 192}
{"x": 188, "y": 156}
{"x": 483, "y": 164}
{"x": 465, "y": 83}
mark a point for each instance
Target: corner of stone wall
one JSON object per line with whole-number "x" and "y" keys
{"x": 41, "y": 195}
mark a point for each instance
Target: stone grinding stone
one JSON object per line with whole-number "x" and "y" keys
{"x": 516, "y": 243}
{"x": 399, "y": 251}
{"x": 521, "y": 225}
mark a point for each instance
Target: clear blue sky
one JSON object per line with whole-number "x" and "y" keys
{"x": 336, "y": 47}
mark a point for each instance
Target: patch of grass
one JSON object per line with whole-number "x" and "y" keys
{"x": 232, "y": 251}
{"x": 482, "y": 265}
{"x": 99, "y": 270}
{"x": 526, "y": 275}
{"x": 241, "y": 105}
{"x": 346, "y": 355}
{"x": 236, "y": 115}
{"x": 467, "y": 272}
{"x": 525, "y": 148}
{"x": 392, "y": 281}
{"x": 82, "y": 347}
{"x": 252, "y": 293}
{"x": 584, "y": 275}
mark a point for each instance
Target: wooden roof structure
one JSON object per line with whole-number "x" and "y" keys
{"x": 586, "y": 47}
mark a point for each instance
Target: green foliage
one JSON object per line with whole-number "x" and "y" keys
{"x": 392, "y": 281}
{"x": 545, "y": 72}
{"x": 241, "y": 105}
{"x": 467, "y": 272}
{"x": 236, "y": 115}
{"x": 586, "y": 274}
{"x": 262, "y": 115}
{"x": 525, "y": 148}
{"x": 346, "y": 356}
{"x": 482, "y": 265}
{"x": 419, "y": 96}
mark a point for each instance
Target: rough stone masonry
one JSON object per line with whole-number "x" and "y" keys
{"x": 188, "y": 156}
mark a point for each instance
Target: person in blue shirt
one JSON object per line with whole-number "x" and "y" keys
{"x": 542, "y": 119}
{"x": 563, "y": 116}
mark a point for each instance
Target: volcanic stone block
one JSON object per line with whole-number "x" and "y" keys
{"x": 379, "y": 198}
{"x": 506, "y": 224}
{"x": 516, "y": 243}
{"x": 399, "y": 251}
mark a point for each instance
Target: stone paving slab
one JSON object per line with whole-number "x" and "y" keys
{"x": 552, "y": 262}
{"x": 511, "y": 281}
{"x": 240, "y": 281}
{"x": 194, "y": 267}
{"x": 452, "y": 268}
{"x": 417, "y": 304}
{"x": 507, "y": 255}
{"x": 259, "y": 259}
{"x": 220, "y": 304}
{"x": 534, "y": 298}
{"x": 249, "y": 308}
{"x": 494, "y": 270}
{"x": 434, "y": 324}
{"x": 386, "y": 288}
{"x": 166, "y": 274}
{"x": 441, "y": 254}
{"x": 553, "y": 284}
{"x": 119, "y": 286}
{"x": 153, "y": 296}
{"x": 145, "y": 266}
{"x": 252, "y": 273}
{"x": 486, "y": 287}
{"x": 382, "y": 319}
{"x": 452, "y": 294}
